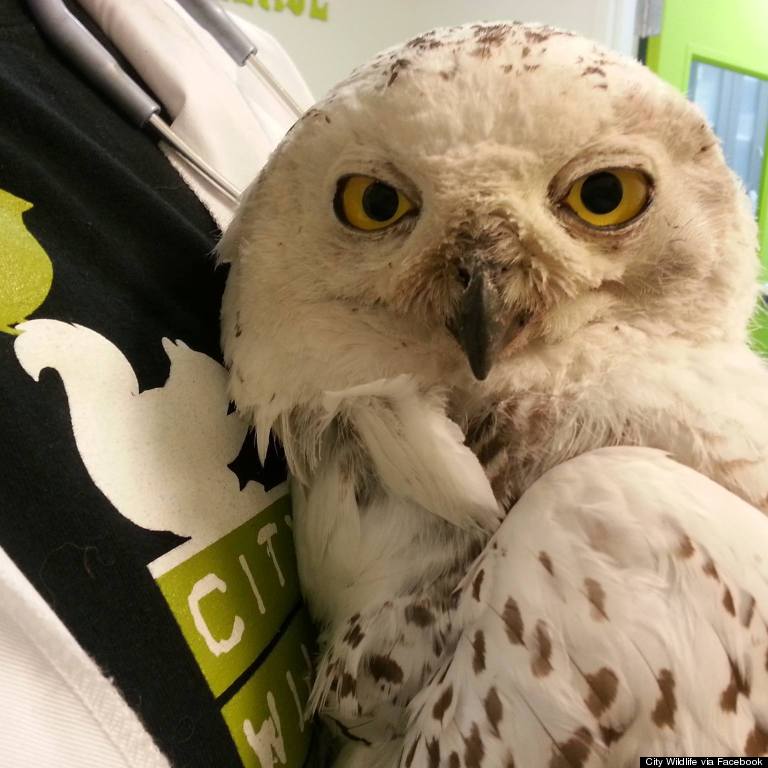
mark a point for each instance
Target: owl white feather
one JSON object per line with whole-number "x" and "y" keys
{"x": 487, "y": 260}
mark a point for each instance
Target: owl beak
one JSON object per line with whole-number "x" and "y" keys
{"x": 476, "y": 324}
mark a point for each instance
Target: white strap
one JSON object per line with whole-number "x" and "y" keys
{"x": 224, "y": 112}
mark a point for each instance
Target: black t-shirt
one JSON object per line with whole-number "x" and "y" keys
{"x": 108, "y": 396}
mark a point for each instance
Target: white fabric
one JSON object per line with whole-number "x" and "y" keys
{"x": 225, "y": 112}
{"x": 59, "y": 710}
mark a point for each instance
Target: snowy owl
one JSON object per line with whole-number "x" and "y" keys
{"x": 493, "y": 295}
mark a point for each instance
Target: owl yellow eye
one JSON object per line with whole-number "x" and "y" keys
{"x": 369, "y": 204}
{"x": 609, "y": 198}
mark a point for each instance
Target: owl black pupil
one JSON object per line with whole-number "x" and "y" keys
{"x": 601, "y": 193}
{"x": 380, "y": 201}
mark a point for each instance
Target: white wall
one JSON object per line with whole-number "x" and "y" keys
{"x": 326, "y": 51}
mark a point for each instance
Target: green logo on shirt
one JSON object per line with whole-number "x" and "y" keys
{"x": 26, "y": 270}
{"x": 237, "y": 604}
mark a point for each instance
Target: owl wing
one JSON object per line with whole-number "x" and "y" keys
{"x": 618, "y": 611}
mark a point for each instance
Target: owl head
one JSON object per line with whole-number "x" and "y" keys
{"x": 472, "y": 204}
